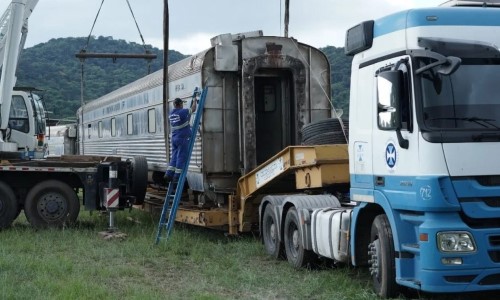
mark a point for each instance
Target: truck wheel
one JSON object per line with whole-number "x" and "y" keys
{"x": 51, "y": 203}
{"x": 295, "y": 253}
{"x": 139, "y": 179}
{"x": 382, "y": 258}
{"x": 8, "y": 206}
{"x": 272, "y": 242}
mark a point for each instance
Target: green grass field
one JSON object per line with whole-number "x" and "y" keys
{"x": 195, "y": 263}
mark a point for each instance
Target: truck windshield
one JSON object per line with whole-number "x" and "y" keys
{"x": 468, "y": 99}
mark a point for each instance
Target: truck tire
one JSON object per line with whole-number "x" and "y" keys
{"x": 325, "y": 128}
{"x": 296, "y": 255}
{"x": 139, "y": 179}
{"x": 8, "y": 206}
{"x": 382, "y": 258}
{"x": 272, "y": 241}
{"x": 326, "y": 138}
{"x": 51, "y": 203}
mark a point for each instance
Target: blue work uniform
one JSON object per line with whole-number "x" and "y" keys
{"x": 181, "y": 131}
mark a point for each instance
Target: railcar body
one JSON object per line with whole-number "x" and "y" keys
{"x": 261, "y": 91}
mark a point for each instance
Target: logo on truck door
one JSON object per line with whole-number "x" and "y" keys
{"x": 390, "y": 155}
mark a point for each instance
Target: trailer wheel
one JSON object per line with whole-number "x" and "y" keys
{"x": 139, "y": 179}
{"x": 382, "y": 258}
{"x": 272, "y": 241}
{"x": 51, "y": 203}
{"x": 8, "y": 206}
{"x": 296, "y": 255}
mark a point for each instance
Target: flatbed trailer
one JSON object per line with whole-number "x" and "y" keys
{"x": 295, "y": 169}
{"x": 47, "y": 189}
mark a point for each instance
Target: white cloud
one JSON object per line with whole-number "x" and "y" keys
{"x": 191, "y": 44}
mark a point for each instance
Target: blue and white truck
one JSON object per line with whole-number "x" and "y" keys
{"x": 421, "y": 208}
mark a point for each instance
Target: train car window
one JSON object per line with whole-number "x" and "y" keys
{"x": 113, "y": 127}
{"x": 130, "y": 127}
{"x": 152, "y": 120}
{"x": 99, "y": 129}
{"x": 269, "y": 98}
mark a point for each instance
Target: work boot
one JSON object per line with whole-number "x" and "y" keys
{"x": 167, "y": 179}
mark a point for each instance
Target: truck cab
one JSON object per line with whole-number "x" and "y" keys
{"x": 424, "y": 171}
{"x": 27, "y": 120}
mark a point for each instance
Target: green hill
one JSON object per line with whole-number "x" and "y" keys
{"x": 53, "y": 67}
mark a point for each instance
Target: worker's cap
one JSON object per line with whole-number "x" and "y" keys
{"x": 178, "y": 101}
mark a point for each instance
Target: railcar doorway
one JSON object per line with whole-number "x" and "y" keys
{"x": 274, "y": 114}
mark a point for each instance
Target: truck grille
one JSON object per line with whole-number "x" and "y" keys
{"x": 490, "y": 280}
{"x": 493, "y": 180}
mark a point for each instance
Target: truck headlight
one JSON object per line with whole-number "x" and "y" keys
{"x": 458, "y": 241}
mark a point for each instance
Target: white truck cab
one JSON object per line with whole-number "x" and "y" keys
{"x": 27, "y": 120}
{"x": 424, "y": 137}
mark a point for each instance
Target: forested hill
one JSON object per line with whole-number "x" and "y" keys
{"x": 53, "y": 67}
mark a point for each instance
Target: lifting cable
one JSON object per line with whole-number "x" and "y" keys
{"x": 83, "y": 54}
{"x": 147, "y": 54}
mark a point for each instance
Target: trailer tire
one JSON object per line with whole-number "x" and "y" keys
{"x": 8, "y": 206}
{"x": 51, "y": 203}
{"x": 270, "y": 232}
{"x": 382, "y": 258}
{"x": 296, "y": 255}
{"x": 139, "y": 179}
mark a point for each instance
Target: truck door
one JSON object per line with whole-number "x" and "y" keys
{"x": 273, "y": 111}
{"x": 395, "y": 154}
{"x": 21, "y": 130}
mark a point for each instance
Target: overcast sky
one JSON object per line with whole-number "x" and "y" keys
{"x": 319, "y": 23}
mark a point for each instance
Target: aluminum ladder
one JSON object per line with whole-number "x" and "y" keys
{"x": 174, "y": 191}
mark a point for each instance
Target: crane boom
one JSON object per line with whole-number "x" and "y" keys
{"x": 13, "y": 30}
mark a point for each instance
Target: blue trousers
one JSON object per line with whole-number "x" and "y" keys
{"x": 180, "y": 149}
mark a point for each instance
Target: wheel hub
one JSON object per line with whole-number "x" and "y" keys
{"x": 374, "y": 254}
{"x": 295, "y": 239}
{"x": 51, "y": 206}
{"x": 272, "y": 232}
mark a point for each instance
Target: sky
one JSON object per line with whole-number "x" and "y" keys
{"x": 193, "y": 23}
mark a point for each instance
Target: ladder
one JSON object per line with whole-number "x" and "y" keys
{"x": 174, "y": 190}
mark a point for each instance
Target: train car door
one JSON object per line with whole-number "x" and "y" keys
{"x": 274, "y": 109}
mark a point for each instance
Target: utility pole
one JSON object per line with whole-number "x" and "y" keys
{"x": 165, "y": 73}
{"x": 287, "y": 6}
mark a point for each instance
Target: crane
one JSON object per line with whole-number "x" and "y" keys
{"x": 13, "y": 32}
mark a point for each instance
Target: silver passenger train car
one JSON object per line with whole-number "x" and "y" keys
{"x": 261, "y": 91}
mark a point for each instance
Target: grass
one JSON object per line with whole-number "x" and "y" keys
{"x": 195, "y": 263}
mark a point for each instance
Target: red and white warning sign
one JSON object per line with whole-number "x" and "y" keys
{"x": 112, "y": 197}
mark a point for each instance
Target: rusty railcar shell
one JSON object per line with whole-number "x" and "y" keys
{"x": 261, "y": 91}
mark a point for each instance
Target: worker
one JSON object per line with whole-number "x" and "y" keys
{"x": 181, "y": 131}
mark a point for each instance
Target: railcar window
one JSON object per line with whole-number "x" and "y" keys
{"x": 113, "y": 127}
{"x": 130, "y": 127}
{"x": 99, "y": 128}
{"x": 152, "y": 120}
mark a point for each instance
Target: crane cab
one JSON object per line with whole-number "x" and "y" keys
{"x": 27, "y": 119}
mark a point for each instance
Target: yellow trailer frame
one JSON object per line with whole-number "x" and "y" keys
{"x": 313, "y": 167}
{"x": 292, "y": 169}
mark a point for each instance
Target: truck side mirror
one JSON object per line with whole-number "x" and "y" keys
{"x": 389, "y": 88}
